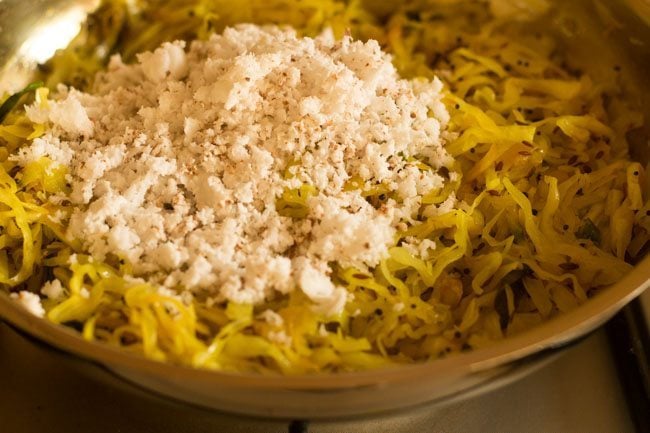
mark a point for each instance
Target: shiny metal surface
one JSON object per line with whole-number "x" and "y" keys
{"x": 598, "y": 34}
{"x": 31, "y": 31}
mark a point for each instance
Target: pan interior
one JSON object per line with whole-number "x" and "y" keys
{"x": 597, "y": 34}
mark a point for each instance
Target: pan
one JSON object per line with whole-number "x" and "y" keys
{"x": 32, "y": 31}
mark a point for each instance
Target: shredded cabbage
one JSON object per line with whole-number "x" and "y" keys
{"x": 550, "y": 205}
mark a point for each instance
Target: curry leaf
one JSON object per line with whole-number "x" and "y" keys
{"x": 13, "y": 100}
{"x": 588, "y": 230}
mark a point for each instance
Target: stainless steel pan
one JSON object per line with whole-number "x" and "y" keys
{"x": 31, "y": 31}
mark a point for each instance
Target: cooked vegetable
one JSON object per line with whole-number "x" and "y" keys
{"x": 549, "y": 204}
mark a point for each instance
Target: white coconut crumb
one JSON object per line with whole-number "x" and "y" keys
{"x": 187, "y": 297}
{"x": 58, "y": 217}
{"x": 71, "y": 115}
{"x": 322, "y": 330}
{"x": 399, "y": 307}
{"x": 443, "y": 208}
{"x": 184, "y": 297}
{"x": 176, "y": 162}
{"x": 51, "y": 147}
{"x": 53, "y": 289}
{"x": 31, "y": 302}
{"x": 280, "y": 337}
{"x": 272, "y": 318}
{"x": 319, "y": 288}
{"x": 419, "y": 247}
